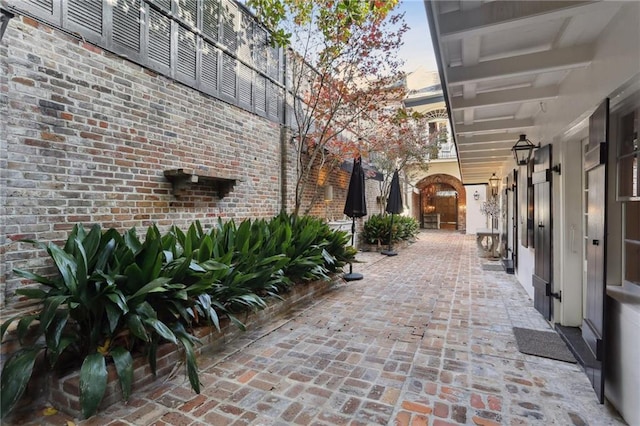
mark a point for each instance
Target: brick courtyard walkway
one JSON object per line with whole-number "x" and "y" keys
{"x": 424, "y": 339}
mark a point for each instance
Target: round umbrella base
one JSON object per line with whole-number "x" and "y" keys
{"x": 353, "y": 276}
{"x": 389, "y": 253}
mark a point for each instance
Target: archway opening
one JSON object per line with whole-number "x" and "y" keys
{"x": 439, "y": 206}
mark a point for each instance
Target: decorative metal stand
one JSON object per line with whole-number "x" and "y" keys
{"x": 390, "y": 251}
{"x": 352, "y": 276}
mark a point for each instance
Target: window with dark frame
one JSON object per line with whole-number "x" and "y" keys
{"x": 628, "y": 183}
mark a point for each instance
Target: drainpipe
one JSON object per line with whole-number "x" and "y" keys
{"x": 5, "y": 17}
{"x": 284, "y": 146}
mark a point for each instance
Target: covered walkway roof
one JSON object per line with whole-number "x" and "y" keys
{"x": 505, "y": 66}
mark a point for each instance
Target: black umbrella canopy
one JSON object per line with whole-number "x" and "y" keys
{"x": 394, "y": 202}
{"x": 356, "y": 204}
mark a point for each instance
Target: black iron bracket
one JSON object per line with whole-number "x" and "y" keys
{"x": 557, "y": 295}
{"x": 557, "y": 169}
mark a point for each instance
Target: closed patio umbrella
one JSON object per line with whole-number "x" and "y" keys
{"x": 355, "y": 206}
{"x": 394, "y": 206}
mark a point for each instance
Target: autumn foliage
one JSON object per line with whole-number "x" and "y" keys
{"x": 403, "y": 141}
{"x": 343, "y": 73}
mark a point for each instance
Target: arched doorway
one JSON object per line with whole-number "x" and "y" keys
{"x": 440, "y": 206}
{"x": 442, "y": 196}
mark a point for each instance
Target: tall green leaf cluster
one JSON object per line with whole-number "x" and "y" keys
{"x": 377, "y": 229}
{"x": 115, "y": 296}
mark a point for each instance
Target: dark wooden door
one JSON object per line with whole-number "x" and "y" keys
{"x": 447, "y": 206}
{"x": 593, "y": 325}
{"x": 543, "y": 269}
{"x": 511, "y": 222}
{"x": 514, "y": 218}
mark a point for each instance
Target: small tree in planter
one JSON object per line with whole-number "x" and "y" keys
{"x": 491, "y": 209}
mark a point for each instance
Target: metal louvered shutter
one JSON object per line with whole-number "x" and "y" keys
{"x": 186, "y": 63}
{"x": 245, "y": 38}
{"x": 126, "y": 26}
{"x": 228, "y": 81}
{"x": 272, "y": 100}
{"x": 209, "y": 69}
{"x": 45, "y": 6}
{"x": 164, "y": 4}
{"x": 85, "y": 17}
{"x": 245, "y": 86}
{"x": 48, "y": 10}
{"x": 260, "y": 101}
{"x": 229, "y": 19}
{"x": 188, "y": 11}
{"x": 273, "y": 58}
{"x": 159, "y": 48}
{"x": 260, "y": 49}
{"x": 211, "y": 18}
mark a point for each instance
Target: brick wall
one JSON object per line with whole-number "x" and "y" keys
{"x": 87, "y": 135}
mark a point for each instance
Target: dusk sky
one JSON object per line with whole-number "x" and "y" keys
{"x": 417, "y": 49}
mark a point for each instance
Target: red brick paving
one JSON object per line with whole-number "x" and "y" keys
{"x": 424, "y": 339}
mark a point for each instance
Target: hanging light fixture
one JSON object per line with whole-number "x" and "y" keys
{"x": 522, "y": 150}
{"x": 493, "y": 183}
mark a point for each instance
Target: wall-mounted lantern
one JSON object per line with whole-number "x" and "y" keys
{"x": 328, "y": 193}
{"x": 328, "y": 198}
{"x": 522, "y": 150}
{"x": 493, "y": 183}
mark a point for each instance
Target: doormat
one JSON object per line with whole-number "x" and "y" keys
{"x": 490, "y": 267}
{"x": 547, "y": 344}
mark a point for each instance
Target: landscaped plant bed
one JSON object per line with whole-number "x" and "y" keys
{"x": 379, "y": 247}
{"x": 64, "y": 391}
{"x": 115, "y": 299}
{"x": 377, "y": 229}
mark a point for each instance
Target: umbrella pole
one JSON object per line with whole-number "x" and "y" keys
{"x": 352, "y": 276}
{"x": 389, "y": 251}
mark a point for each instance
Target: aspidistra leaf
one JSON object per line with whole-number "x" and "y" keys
{"x": 93, "y": 383}
{"x": 34, "y": 277}
{"x": 160, "y": 328}
{"x": 15, "y": 376}
{"x": 66, "y": 265}
{"x": 53, "y": 334}
{"x": 192, "y": 366}
{"x": 124, "y": 367}
{"x": 51, "y": 305}
{"x": 137, "y": 328}
{"x": 23, "y": 326}
{"x": 114, "y": 313}
{"x": 91, "y": 244}
{"x": 154, "y": 286}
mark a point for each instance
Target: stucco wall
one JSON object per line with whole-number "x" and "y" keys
{"x": 623, "y": 351}
{"x": 475, "y": 219}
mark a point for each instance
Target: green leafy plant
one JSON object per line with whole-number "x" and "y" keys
{"x": 407, "y": 229}
{"x": 115, "y": 297}
{"x": 377, "y": 229}
{"x": 107, "y": 299}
